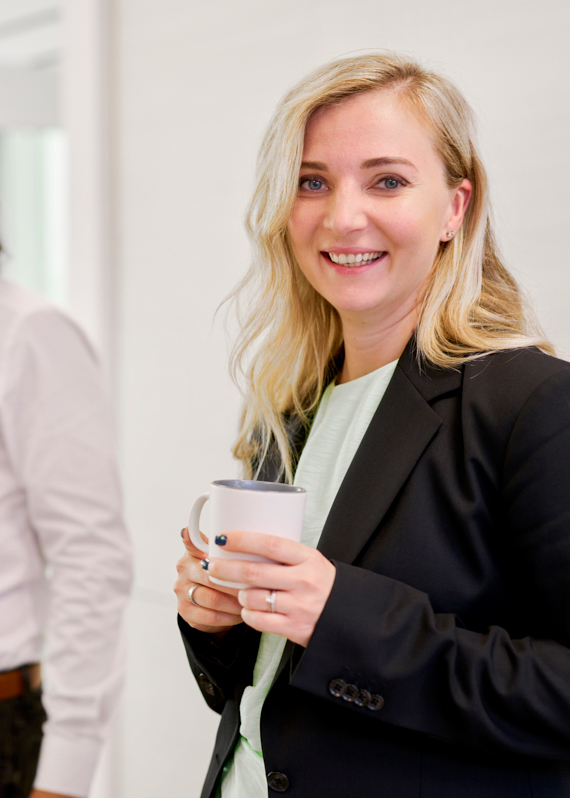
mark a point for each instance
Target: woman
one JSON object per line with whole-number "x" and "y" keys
{"x": 423, "y": 647}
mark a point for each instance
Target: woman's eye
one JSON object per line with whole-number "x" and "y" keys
{"x": 390, "y": 183}
{"x": 311, "y": 184}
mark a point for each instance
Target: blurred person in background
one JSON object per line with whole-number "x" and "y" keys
{"x": 417, "y": 641}
{"x": 65, "y": 557}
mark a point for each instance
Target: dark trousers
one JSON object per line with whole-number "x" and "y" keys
{"x": 21, "y": 722}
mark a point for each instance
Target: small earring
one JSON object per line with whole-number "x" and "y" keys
{"x": 451, "y": 234}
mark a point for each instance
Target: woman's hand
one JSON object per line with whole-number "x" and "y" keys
{"x": 219, "y": 608}
{"x": 301, "y": 577}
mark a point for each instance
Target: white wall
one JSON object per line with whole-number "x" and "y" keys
{"x": 194, "y": 85}
{"x": 28, "y": 97}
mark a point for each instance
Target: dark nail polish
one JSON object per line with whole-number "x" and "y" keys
{"x": 182, "y": 533}
{"x": 221, "y": 540}
{"x": 205, "y": 563}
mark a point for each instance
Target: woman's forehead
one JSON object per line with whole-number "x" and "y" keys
{"x": 369, "y": 125}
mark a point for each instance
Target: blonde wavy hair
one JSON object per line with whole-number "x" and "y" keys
{"x": 290, "y": 335}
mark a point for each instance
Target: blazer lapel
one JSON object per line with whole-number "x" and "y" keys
{"x": 399, "y": 432}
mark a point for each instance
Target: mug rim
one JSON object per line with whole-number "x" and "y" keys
{"x": 258, "y": 485}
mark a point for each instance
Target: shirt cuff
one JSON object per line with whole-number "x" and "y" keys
{"x": 67, "y": 765}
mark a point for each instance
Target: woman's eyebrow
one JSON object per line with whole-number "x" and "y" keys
{"x": 370, "y": 164}
{"x": 386, "y": 161}
{"x": 321, "y": 167}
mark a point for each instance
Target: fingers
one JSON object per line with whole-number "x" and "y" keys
{"x": 209, "y": 599}
{"x": 190, "y": 565}
{"x": 259, "y": 600}
{"x": 191, "y": 573}
{"x": 194, "y": 575}
{"x": 218, "y": 608}
{"x": 282, "y": 550}
{"x": 256, "y": 610}
{"x": 253, "y": 573}
{"x": 207, "y": 620}
{"x": 212, "y": 610}
{"x": 268, "y": 622}
{"x": 190, "y": 547}
{"x": 257, "y": 613}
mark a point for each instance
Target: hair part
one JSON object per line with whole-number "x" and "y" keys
{"x": 290, "y": 335}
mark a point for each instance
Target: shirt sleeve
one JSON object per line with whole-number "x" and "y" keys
{"x": 57, "y": 428}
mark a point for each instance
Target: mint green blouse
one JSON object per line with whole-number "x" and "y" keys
{"x": 343, "y": 416}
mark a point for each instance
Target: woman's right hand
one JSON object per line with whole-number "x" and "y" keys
{"x": 219, "y": 608}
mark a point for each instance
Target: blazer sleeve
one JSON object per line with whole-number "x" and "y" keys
{"x": 218, "y": 668}
{"x": 485, "y": 690}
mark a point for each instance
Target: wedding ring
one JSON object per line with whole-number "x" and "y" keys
{"x": 191, "y": 595}
{"x": 270, "y": 601}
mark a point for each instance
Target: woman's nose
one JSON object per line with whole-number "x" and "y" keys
{"x": 345, "y": 212}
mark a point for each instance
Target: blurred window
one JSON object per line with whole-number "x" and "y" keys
{"x": 33, "y": 209}
{"x": 33, "y": 157}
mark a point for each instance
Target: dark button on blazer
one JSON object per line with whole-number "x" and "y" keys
{"x": 451, "y": 604}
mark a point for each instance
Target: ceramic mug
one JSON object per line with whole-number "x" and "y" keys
{"x": 247, "y": 506}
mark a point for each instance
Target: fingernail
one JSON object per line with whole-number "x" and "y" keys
{"x": 205, "y": 563}
{"x": 182, "y": 533}
{"x": 221, "y": 540}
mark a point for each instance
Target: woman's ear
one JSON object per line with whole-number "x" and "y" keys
{"x": 459, "y": 204}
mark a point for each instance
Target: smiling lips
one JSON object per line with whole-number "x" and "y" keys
{"x": 353, "y": 260}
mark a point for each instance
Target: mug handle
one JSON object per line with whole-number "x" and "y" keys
{"x": 194, "y": 522}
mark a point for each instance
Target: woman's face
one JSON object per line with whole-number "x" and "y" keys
{"x": 372, "y": 208}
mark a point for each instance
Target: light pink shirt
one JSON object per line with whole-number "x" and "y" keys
{"x": 65, "y": 560}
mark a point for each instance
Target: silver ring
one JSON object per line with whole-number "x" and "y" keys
{"x": 270, "y": 601}
{"x": 191, "y": 596}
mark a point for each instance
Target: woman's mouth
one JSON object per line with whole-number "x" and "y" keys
{"x": 361, "y": 259}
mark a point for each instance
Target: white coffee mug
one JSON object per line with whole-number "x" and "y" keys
{"x": 247, "y": 506}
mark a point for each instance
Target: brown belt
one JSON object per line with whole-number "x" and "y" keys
{"x": 19, "y": 681}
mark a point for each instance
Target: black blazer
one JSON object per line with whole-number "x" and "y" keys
{"x": 451, "y": 539}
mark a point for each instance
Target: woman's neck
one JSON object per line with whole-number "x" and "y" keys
{"x": 369, "y": 348}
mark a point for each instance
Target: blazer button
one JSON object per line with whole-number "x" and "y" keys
{"x": 337, "y": 687}
{"x": 376, "y": 702}
{"x": 206, "y": 684}
{"x": 277, "y": 781}
{"x": 363, "y": 698}
{"x": 350, "y": 693}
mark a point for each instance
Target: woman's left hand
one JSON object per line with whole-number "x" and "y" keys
{"x": 301, "y": 577}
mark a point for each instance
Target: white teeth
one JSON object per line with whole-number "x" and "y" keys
{"x": 351, "y": 259}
